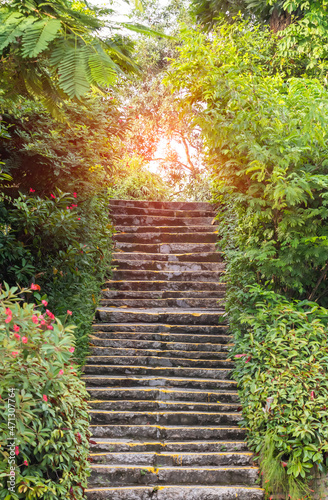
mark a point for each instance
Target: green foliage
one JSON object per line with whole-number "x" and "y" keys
{"x": 134, "y": 181}
{"x": 64, "y": 244}
{"x": 44, "y": 397}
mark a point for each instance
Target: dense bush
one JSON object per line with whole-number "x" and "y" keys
{"x": 40, "y": 382}
{"x": 62, "y": 242}
{"x": 267, "y": 147}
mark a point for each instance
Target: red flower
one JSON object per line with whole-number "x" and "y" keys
{"x": 35, "y": 319}
{"x": 61, "y": 372}
{"x": 312, "y": 395}
{"x": 9, "y": 315}
{"x": 26, "y": 463}
{"x": 16, "y": 328}
{"x": 14, "y": 354}
{"x": 240, "y": 355}
{"x": 53, "y": 196}
{"x": 79, "y": 218}
{"x": 32, "y": 190}
{"x": 71, "y": 349}
{"x": 69, "y": 312}
{"x": 35, "y": 287}
{"x": 248, "y": 359}
{"x": 50, "y": 327}
{"x": 284, "y": 464}
{"x": 44, "y": 302}
{"x": 51, "y": 316}
{"x": 75, "y": 195}
{"x": 24, "y": 340}
{"x": 16, "y": 450}
{"x": 16, "y": 336}
{"x": 45, "y": 398}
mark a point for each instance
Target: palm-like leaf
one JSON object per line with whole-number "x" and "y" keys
{"x": 37, "y": 37}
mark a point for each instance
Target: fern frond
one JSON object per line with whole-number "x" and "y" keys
{"x": 103, "y": 70}
{"x": 13, "y": 28}
{"x": 72, "y": 74}
{"x": 38, "y": 36}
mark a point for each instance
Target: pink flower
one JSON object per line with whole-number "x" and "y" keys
{"x": 9, "y": 315}
{"x": 32, "y": 190}
{"x": 50, "y": 327}
{"x": 51, "y": 316}
{"x": 67, "y": 208}
{"x": 16, "y": 336}
{"x": 35, "y": 287}
{"x": 41, "y": 317}
{"x": 24, "y": 340}
{"x": 16, "y": 450}
{"x": 71, "y": 349}
{"x": 120, "y": 121}
{"x": 35, "y": 319}
{"x": 16, "y": 328}
{"x": 312, "y": 395}
{"x": 248, "y": 359}
{"x": 61, "y": 372}
{"x": 8, "y": 319}
{"x": 44, "y": 302}
{"x": 53, "y": 196}
{"x": 14, "y": 354}
{"x": 45, "y": 398}
{"x": 240, "y": 355}
{"x": 42, "y": 322}
{"x": 69, "y": 312}
{"x": 79, "y": 218}
{"x": 75, "y": 195}
{"x": 8, "y": 311}
{"x": 25, "y": 463}
{"x": 284, "y": 464}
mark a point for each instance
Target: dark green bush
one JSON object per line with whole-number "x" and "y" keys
{"x": 41, "y": 390}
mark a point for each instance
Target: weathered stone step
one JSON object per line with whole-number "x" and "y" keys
{"x": 182, "y": 418}
{"x": 145, "y": 405}
{"x": 120, "y": 381}
{"x": 165, "y": 205}
{"x": 172, "y": 492}
{"x": 142, "y": 275}
{"x": 159, "y": 212}
{"x": 165, "y": 286}
{"x": 158, "y": 265}
{"x": 159, "y": 361}
{"x": 165, "y": 248}
{"x": 167, "y": 229}
{"x": 129, "y": 475}
{"x": 165, "y": 294}
{"x": 168, "y": 433}
{"x": 179, "y": 302}
{"x": 117, "y": 445}
{"x": 162, "y": 338}
{"x": 159, "y": 220}
{"x": 162, "y": 346}
{"x": 161, "y": 328}
{"x": 170, "y": 257}
{"x": 160, "y": 315}
{"x": 173, "y": 237}
{"x": 167, "y": 371}
{"x": 169, "y": 459}
{"x": 122, "y": 351}
{"x": 162, "y": 394}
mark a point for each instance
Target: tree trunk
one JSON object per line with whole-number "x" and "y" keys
{"x": 279, "y": 22}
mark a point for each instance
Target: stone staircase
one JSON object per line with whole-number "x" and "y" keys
{"x": 164, "y": 409}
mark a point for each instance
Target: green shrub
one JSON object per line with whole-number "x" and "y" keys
{"x": 63, "y": 243}
{"x": 51, "y": 421}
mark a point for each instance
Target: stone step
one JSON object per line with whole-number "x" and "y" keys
{"x": 167, "y": 229}
{"x": 123, "y": 445}
{"x": 159, "y": 361}
{"x": 165, "y": 248}
{"x": 162, "y": 346}
{"x": 167, "y": 276}
{"x": 165, "y": 286}
{"x": 117, "y": 210}
{"x": 162, "y": 338}
{"x": 162, "y": 394}
{"x": 121, "y": 381}
{"x": 161, "y": 315}
{"x": 170, "y": 257}
{"x": 160, "y": 220}
{"x": 162, "y": 294}
{"x": 165, "y": 205}
{"x": 162, "y": 406}
{"x": 97, "y": 350}
{"x": 129, "y": 475}
{"x": 167, "y": 371}
{"x": 179, "y": 302}
{"x": 173, "y": 237}
{"x": 169, "y": 459}
{"x": 172, "y": 492}
{"x": 161, "y": 328}
{"x": 165, "y": 433}
{"x": 158, "y": 265}
{"x": 164, "y": 418}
